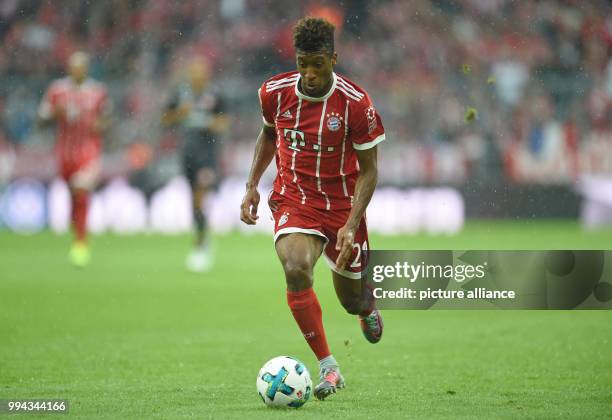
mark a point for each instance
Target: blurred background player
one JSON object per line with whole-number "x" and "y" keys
{"x": 199, "y": 113}
{"x": 81, "y": 109}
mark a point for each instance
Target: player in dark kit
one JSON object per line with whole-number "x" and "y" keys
{"x": 323, "y": 130}
{"x": 199, "y": 112}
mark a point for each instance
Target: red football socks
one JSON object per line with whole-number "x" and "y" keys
{"x": 307, "y": 313}
{"x": 80, "y": 204}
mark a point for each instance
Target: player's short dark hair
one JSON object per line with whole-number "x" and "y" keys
{"x": 313, "y": 34}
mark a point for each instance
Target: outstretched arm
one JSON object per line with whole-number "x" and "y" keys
{"x": 364, "y": 189}
{"x": 47, "y": 113}
{"x": 265, "y": 148}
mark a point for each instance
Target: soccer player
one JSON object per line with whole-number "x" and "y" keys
{"x": 323, "y": 131}
{"x": 200, "y": 113}
{"x": 81, "y": 108}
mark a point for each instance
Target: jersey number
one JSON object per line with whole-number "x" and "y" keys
{"x": 357, "y": 262}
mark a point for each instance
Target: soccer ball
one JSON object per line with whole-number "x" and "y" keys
{"x": 284, "y": 382}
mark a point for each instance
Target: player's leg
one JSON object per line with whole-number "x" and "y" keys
{"x": 354, "y": 294}
{"x": 298, "y": 253}
{"x": 357, "y": 299}
{"x": 201, "y": 179}
{"x": 199, "y": 193}
{"x": 80, "y": 206}
{"x": 81, "y": 182}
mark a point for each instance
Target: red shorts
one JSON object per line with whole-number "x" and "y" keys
{"x": 78, "y": 157}
{"x": 294, "y": 218}
{"x": 82, "y": 174}
{"x": 69, "y": 169}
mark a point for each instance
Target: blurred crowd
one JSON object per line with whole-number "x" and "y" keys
{"x": 493, "y": 79}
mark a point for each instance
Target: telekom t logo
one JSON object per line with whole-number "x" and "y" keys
{"x": 295, "y": 137}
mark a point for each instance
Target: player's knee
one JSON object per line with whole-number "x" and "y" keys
{"x": 298, "y": 273}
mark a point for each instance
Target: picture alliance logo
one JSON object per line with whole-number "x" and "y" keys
{"x": 413, "y": 272}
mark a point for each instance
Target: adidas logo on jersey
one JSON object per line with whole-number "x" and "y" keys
{"x": 287, "y": 114}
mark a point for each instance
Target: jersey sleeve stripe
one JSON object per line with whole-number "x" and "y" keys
{"x": 369, "y": 145}
{"x": 274, "y": 82}
{"x": 270, "y": 89}
{"x": 353, "y": 97}
{"x": 281, "y": 81}
{"x": 350, "y": 88}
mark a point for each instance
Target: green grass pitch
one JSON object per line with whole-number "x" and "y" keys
{"x": 136, "y": 336}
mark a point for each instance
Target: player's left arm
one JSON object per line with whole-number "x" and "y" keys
{"x": 104, "y": 118}
{"x": 48, "y": 111}
{"x": 364, "y": 189}
{"x": 366, "y": 132}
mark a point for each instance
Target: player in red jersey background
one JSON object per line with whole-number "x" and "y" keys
{"x": 323, "y": 132}
{"x": 81, "y": 109}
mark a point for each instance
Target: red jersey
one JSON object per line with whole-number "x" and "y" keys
{"x": 316, "y": 139}
{"x": 80, "y": 106}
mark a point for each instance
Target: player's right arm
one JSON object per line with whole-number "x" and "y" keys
{"x": 49, "y": 111}
{"x": 265, "y": 148}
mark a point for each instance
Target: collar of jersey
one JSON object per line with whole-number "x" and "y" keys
{"x": 73, "y": 84}
{"x": 313, "y": 99}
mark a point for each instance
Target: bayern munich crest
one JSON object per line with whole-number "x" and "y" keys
{"x": 334, "y": 121}
{"x": 283, "y": 219}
